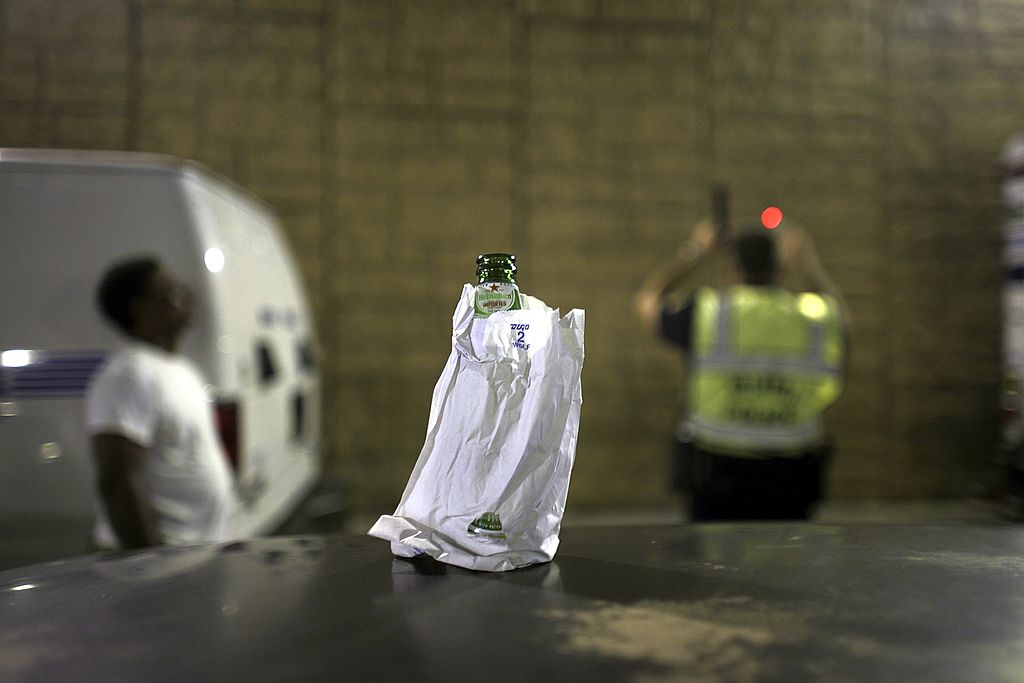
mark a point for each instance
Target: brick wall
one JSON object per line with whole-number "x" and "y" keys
{"x": 399, "y": 138}
{"x": 234, "y": 85}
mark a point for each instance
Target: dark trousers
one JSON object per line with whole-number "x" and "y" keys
{"x": 723, "y": 488}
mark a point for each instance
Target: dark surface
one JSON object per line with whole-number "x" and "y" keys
{"x": 730, "y": 602}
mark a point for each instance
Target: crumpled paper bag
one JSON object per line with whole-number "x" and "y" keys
{"x": 489, "y": 488}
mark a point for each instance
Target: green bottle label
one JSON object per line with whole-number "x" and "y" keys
{"x": 492, "y": 297}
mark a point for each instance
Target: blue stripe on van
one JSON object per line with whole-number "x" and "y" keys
{"x": 51, "y": 374}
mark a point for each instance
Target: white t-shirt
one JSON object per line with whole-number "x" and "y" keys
{"x": 156, "y": 399}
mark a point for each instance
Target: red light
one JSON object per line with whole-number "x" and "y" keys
{"x": 771, "y": 217}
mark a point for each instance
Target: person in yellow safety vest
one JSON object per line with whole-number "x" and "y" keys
{"x": 763, "y": 365}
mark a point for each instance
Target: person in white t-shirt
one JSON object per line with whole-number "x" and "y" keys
{"x": 162, "y": 476}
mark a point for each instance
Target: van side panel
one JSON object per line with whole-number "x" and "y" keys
{"x": 62, "y": 227}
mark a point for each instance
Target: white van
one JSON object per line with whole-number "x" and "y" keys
{"x": 65, "y": 216}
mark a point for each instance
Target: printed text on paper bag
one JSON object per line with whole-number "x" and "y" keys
{"x": 519, "y": 336}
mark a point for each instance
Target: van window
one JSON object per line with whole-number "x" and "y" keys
{"x": 298, "y": 416}
{"x": 265, "y": 363}
{"x": 305, "y": 352}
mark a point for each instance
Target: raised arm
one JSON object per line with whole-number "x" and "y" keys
{"x": 675, "y": 275}
{"x": 799, "y": 254}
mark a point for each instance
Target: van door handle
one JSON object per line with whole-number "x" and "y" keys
{"x": 8, "y": 409}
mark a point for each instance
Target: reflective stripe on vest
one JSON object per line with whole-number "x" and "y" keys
{"x": 765, "y": 363}
{"x": 723, "y": 356}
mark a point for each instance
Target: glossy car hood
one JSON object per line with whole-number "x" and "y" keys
{"x": 730, "y": 602}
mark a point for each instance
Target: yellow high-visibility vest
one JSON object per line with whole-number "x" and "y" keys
{"x": 764, "y": 365}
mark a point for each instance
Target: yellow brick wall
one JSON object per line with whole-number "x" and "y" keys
{"x": 399, "y": 138}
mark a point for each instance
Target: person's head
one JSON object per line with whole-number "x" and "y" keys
{"x": 756, "y": 259}
{"x": 144, "y": 301}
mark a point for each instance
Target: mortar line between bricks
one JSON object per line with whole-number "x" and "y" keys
{"x": 712, "y": 107}
{"x": 133, "y": 76}
{"x": 885, "y": 217}
{"x": 328, "y": 152}
{"x": 521, "y": 207}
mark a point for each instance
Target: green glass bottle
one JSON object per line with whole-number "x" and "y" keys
{"x": 496, "y": 289}
{"x": 487, "y": 527}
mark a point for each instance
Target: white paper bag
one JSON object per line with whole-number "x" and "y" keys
{"x": 489, "y": 488}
